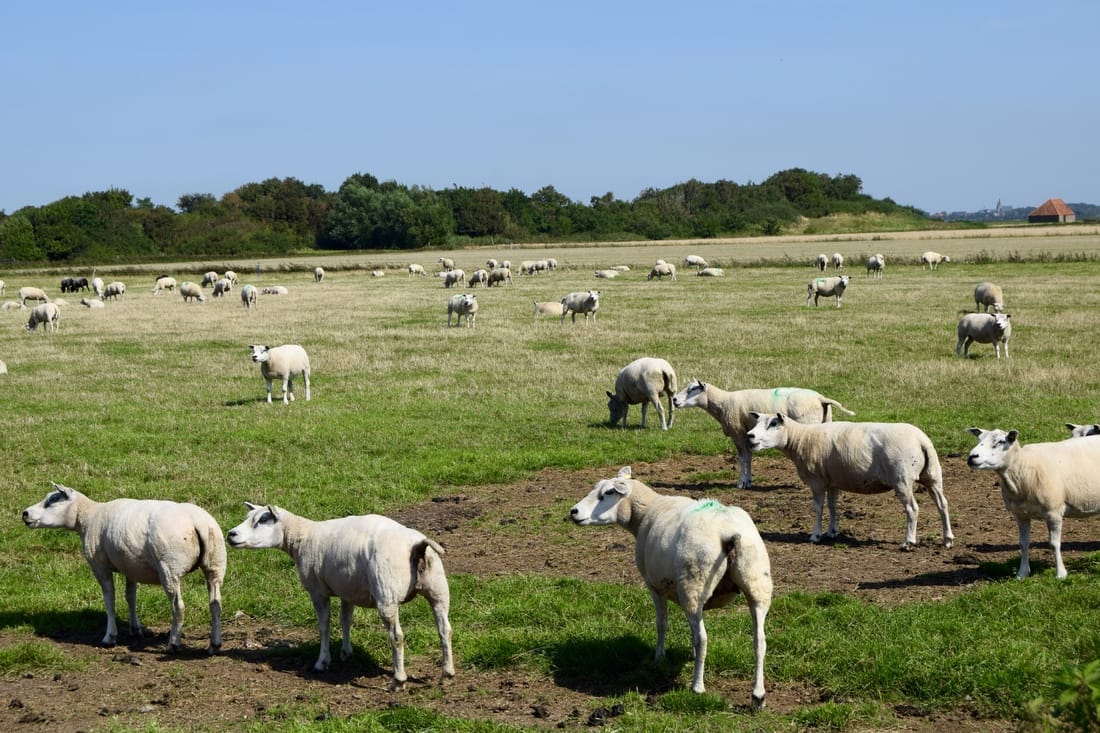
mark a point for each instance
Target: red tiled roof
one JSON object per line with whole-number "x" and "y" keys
{"x": 1053, "y": 207}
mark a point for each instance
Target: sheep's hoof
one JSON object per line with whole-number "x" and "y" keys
{"x": 397, "y": 685}
{"x": 758, "y": 703}
{"x": 213, "y": 649}
{"x": 172, "y": 648}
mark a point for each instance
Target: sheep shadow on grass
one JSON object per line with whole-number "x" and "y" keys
{"x": 617, "y": 664}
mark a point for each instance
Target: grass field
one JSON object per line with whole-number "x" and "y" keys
{"x": 150, "y": 397}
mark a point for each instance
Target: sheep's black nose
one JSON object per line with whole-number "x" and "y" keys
{"x": 26, "y": 515}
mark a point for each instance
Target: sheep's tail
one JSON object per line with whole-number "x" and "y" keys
{"x": 670, "y": 382}
{"x": 212, "y": 555}
{"x": 828, "y": 403}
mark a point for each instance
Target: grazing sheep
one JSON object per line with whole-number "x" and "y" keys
{"x": 821, "y": 261}
{"x": 231, "y": 277}
{"x": 446, "y": 263}
{"x": 551, "y": 263}
{"x": 114, "y": 290}
{"x": 988, "y": 294}
{"x": 147, "y": 541}
{"x": 643, "y": 381}
{"x": 318, "y": 274}
{"x": 1045, "y": 481}
{"x": 582, "y": 301}
{"x": 462, "y": 305}
{"x": 607, "y": 274}
{"x": 282, "y": 362}
{"x": 47, "y": 314}
{"x": 164, "y": 283}
{"x": 248, "y": 296}
{"x": 92, "y": 302}
{"x": 221, "y": 287}
{"x": 415, "y": 269}
{"x": 210, "y": 278}
{"x": 191, "y": 291}
{"x": 548, "y": 308}
{"x": 527, "y": 267}
{"x": 275, "y": 290}
{"x": 1081, "y": 431}
{"x": 733, "y": 411}
{"x": 453, "y": 277}
{"x": 984, "y": 328}
{"x": 662, "y": 270}
{"x": 499, "y": 276}
{"x": 506, "y": 264}
{"x": 876, "y": 264}
{"x": 826, "y": 286}
{"x": 697, "y": 553}
{"x": 711, "y": 272}
{"x": 491, "y": 264}
{"x": 98, "y": 288}
{"x": 479, "y": 276}
{"x": 864, "y": 458}
{"x": 369, "y": 561}
{"x": 68, "y": 285}
{"x": 29, "y": 293}
{"x": 932, "y": 260}
{"x": 377, "y": 273}
{"x": 694, "y": 261}
{"x": 838, "y": 260}
{"x": 540, "y": 266}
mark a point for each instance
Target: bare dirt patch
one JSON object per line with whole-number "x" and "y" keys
{"x": 482, "y": 529}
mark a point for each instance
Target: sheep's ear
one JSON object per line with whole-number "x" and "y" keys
{"x": 975, "y": 431}
{"x": 625, "y": 471}
{"x": 250, "y": 505}
{"x": 609, "y": 395}
{"x": 63, "y": 489}
{"x": 1012, "y": 436}
{"x": 1071, "y": 427}
{"x": 754, "y": 415}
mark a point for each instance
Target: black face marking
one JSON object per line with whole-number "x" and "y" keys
{"x": 266, "y": 518}
{"x": 55, "y": 498}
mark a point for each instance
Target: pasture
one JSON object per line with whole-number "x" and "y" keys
{"x": 150, "y": 397}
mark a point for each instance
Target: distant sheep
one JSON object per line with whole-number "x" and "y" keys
{"x": 319, "y": 274}
{"x": 1081, "y": 431}
{"x": 607, "y": 274}
{"x": 209, "y": 278}
{"x": 48, "y": 314}
{"x": 29, "y": 293}
{"x": 506, "y": 264}
{"x": 282, "y": 362}
{"x": 191, "y": 291}
{"x": 446, "y": 263}
{"x": 415, "y": 269}
{"x": 694, "y": 261}
{"x": 827, "y": 286}
{"x": 620, "y": 268}
{"x": 861, "y": 457}
{"x": 479, "y": 275}
{"x": 92, "y": 302}
{"x": 987, "y": 294}
{"x": 876, "y": 264}
{"x": 221, "y": 287}
{"x": 3, "y": 287}
{"x": 548, "y": 308}
{"x": 821, "y": 261}
{"x": 662, "y": 270}
{"x": 453, "y": 277}
{"x": 248, "y": 296}
{"x": 1047, "y": 481}
{"x": 983, "y": 328}
{"x": 527, "y": 267}
{"x": 369, "y": 561}
{"x": 464, "y": 305}
{"x": 711, "y": 272}
{"x": 698, "y": 554}
{"x": 551, "y": 263}
{"x": 377, "y": 273}
{"x": 10, "y": 305}
{"x": 98, "y": 288}
{"x": 232, "y": 277}
{"x": 643, "y": 381}
{"x": 932, "y": 260}
{"x": 499, "y": 276}
{"x": 491, "y": 264}
{"x": 114, "y": 290}
{"x": 586, "y": 302}
{"x": 274, "y": 290}
{"x": 164, "y": 283}
{"x": 838, "y": 260}
{"x": 147, "y": 541}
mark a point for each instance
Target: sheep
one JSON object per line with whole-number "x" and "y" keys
{"x": 548, "y": 308}
{"x": 694, "y": 261}
{"x": 282, "y": 362}
{"x": 28, "y": 293}
{"x": 91, "y": 302}
{"x": 67, "y": 284}
{"x": 732, "y": 410}
{"x": 114, "y": 290}
{"x": 876, "y": 263}
{"x": 3, "y": 287}
{"x": 248, "y": 296}
{"x": 60, "y": 302}
{"x": 826, "y": 286}
{"x": 462, "y": 305}
{"x": 527, "y": 267}
{"x": 582, "y": 301}
{"x": 607, "y": 274}
{"x": 191, "y": 291}
{"x": 47, "y": 314}
{"x": 551, "y": 263}
{"x": 164, "y": 283}
{"x": 446, "y": 263}
{"x": 231, "y": 277}
{"x": 1045, "y": 481}
{"x": 540, "y": 266}
{"x": 210, "y": 278}
{"x": 221, "y": 287}
{"x": 499, "y": 276}
{"x": 983, "y": 328}
{"x": 506, "y": 264}
{"x": 1080, "y": 431}
{"x": 478, "y": 276}
{"x": 987, "y": 294}
{"x": 147, "y": 541}
{"x": 491, "y": 264}
{"x": 274, "y": 290}
{"x": 864, "y": 458}
{"x": 377, "y": 273}
{"x": 415, "y": 269}
{"x": 711, "y": 272}
{"x": 662, "y": 270}
{"x": 318, "y": 274}
{"x": 696, "y": 553}
{"x": 643, "y": 381}
{"x": 98, "y": 288}
{"x": 10, "y": 305}
{"x": 453, "y": 277}
{"x": 932, "y": 260}
{"x": 821, "y": 261}
{"x": 368, "y": 560}
{"x": 620, "y": 268}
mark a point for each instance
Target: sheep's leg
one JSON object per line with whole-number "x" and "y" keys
{"x": 1025, "y": 543}
{"x": 834, "y": 527}
{"x": 912, "y": 511}
{"x": 941, "y": 505}
{"x": 660, "y": 607}
{"x": 392, "y": 621}
{"x": 171, "y": 587}
{"x": 671, "y": 409}
{"x": 288, "y": 390}
{"x": 131, "y": 604}
{"x": 698, "y": 647}
{"x": 1054, "y": 527}
{"x": 759, "y": 611}
{"x": 744, "y": 460}
{"x": 321, "y": 606}
{"x": 214, "y": 591}
{"x": 107, "y": 585}
{"x": 347, "y": 614}
{"x": 305, "y": 378}
{"x": 441, "y": 611}
{"x": 818, "y": 492}
{"x": 268, "y": 381}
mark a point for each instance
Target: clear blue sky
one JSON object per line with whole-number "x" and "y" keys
{"x": 942, "y": 105}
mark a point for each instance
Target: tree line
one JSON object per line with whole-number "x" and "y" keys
{"x": 284, "y": 216}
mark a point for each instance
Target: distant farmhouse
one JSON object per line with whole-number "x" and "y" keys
{"x": 1052, "y": 211}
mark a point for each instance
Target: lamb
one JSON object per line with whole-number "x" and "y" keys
{"x": 697, "y": 553}
{"x": 164, "y": 283}
{"x": 415, "y": 269}
{"x": 838, "y": 260}
{"x": 147, "y": 541}
{"x": 932, "y": 260}
{"x": 643, "y": 381}
{"x": 583, "y": 301}
{"x": 91, "y": 302}
{"x": 694, "y": 261}
{"x": 446, "y": 263}
{"x": 876, "y": 263}
{"x": 826, "y": 286}
{"x": 984, "y": 328}
{"x": 462, "y": 305}
{"x": 98, "y": 288}
{"x": 733, "y": 410}
{"x": 711, "y": 272}
{"x": 47, "y": 314}
{"x": 318, "y": 274}
{"x": 453, "y": 277}
{"x": 114, "y": 290}
{"x": 28, "y": 293}
{"x": 821, "y": 261}
{"x": 499, "y": 276}
{"x": 548, "y": 308}
{"x": 368, "y": 560}
{"x": 190, "y": 291}
{"x": 1045, "y": 481}
{"x": 864, "y": 458}
{"x": 607, "y": 274}
{"x": 282, "y": 362}
{"x": 987, "y": 294}
{"x": 248, "y": 296}
{"x": 221, "y": 287}
{"x": 1080, "y": 431}
{"x": 662, "y": 270}
{"x": 479, "y": 275}
{"x": 377, "y": 273}
{"x": 210, "y": 278}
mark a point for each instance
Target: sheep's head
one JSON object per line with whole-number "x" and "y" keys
{"x": 56, "y": 510}
{"x": 992, "y": 448}
{"x": 1080, "y": 431}
{"x": 263, "y": 527}
{"x": 260, "y": 353}
{"x": 606, "y": 503}
{"x": 769, "y": 431}
{"x": 1001, "y": 321}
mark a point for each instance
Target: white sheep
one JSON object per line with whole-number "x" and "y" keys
{"x": 620, "y": 268}
{"x": 548, "y": 308}
{"x": 377, "y": 273}
{"x": 1045, "y": 481}
{"x": 662, "y": 270}
{"x": 696, "y": 553}
{"x": 527, "y": 267}
{"x": 221, "y": 287}
{"x": 231, "y": 277}
{"x": 463, "y": 305}
{"x": 838, "y": 260}
{"x": 643, "y": 381}
{"x": 499, "y": 276}
{"x": 506, "y": 264}
{"x": 98, "y": 288}
{"x": 551, "y": 263}
{"x": 60, "y": 302}
{"x": 711, "y": 272}
{"x": 733, "y": 411}
{"x": 48, "y": 314}
{"x": 876, "y": 265}
{"x": 415, "y": 269}
{"x": 932, "y": 260}
{"x": 147, "y": 541}
{"x": 582, "y": 301}
{"x": 860, "y": 457}
{"x": 191, "y": 291}
{"x": 607, "y": 274}
{"x": 114, "y": 290}
{"x": 28, "y": 293}
{"x": 318, "y": 274}
{"x": 282, "y": 362}
{"x": 209, "y": 278}
{"x": 826, "y": 286}
{"x": 821, "y": 261}
{"x": 983, "y": 328}
{"x": 987, "y": 294}
{"x": 10, "y": 305}
{"x": 369, "y": 561}
{"x": 248, "y": 296}
{"x": 491, "y": 264}
{"x": 694, "y": 261}
{"x": 453, "y": 277}
{"x": 446, "y": 263}
{"x": 164, "y": 283}
{"x": 479, "y": 275}
{"x": 274, "y": 290}
{"x": 1080, "y": 431}
{"x": 91, "y": 302}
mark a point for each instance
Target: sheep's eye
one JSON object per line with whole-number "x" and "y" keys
{"x": 56, "y": 497}
{"x": 266, "y": 518}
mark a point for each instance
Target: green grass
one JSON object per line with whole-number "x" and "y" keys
{"x": 152, "y": 398}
